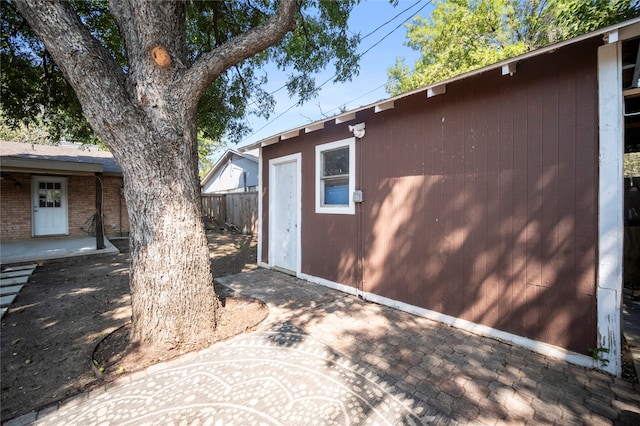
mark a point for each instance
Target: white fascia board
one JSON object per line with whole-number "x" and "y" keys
{"x": 436, "y": 90}
{"x": 313, "y": 127}
{"x": 509, "y": 69}
{"x": 289, "y": 135}
{"x": 43, "y": 165}
{"x": 383, "y": 106}
{"x": 345, "y": 117}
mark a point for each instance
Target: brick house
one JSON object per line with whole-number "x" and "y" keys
{"x": 51, "y": 191}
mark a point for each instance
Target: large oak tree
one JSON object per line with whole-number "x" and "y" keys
{"x": 141, "y": 85}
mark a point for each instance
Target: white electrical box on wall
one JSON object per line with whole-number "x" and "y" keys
{"x": 357, "y": 196}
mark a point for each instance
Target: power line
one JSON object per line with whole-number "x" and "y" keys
{"x": 382, "y": 25}
{"x": 359, "y": 56}
{"x": 367, "y": 35}
{"x": 393, "y": 30}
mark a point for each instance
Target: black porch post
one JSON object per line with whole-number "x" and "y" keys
{"x": 99, "y": 229}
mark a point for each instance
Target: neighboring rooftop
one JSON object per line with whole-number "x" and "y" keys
{"x": 17, "y": 154}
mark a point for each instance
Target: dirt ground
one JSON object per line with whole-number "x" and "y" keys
{"x": 66, "y": 332}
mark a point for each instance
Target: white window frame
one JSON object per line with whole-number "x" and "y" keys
{"x": 345, "y": 209}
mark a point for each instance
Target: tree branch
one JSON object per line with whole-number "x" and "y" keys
{"x": 206, "y": 69}
{"x": 88, "y": 67}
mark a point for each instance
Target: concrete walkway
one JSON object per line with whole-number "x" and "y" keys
{"x": 11, "y": 281}
{"x": 36, "y": 249}
{"x": 324, "y": 357}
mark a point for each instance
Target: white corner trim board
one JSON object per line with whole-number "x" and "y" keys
{"x": 610, "y": 205}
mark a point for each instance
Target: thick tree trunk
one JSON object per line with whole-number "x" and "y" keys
{"x": 172, "y": 294}
{"x": 172, "y": 291}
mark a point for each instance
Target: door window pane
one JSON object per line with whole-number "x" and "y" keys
{"x": 49, "y": 194}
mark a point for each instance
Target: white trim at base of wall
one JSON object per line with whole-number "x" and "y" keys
{"x": 479, "y": 329}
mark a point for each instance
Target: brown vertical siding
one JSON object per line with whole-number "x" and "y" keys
{"x": 480, "y": 203}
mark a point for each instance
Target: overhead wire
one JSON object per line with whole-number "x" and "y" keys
{"x": 390, "y": 20}
{"x": 359, "y": 56}
{"x": 365, "y": 36}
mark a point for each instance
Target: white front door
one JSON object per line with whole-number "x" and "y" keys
{"x": 49, "y": 205}
{"x": 284, "y": 213}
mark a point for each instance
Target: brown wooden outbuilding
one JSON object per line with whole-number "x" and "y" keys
{"x": 491, "y": 201}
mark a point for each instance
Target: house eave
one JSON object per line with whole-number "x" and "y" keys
{"x": 31, "y": 165}
{"x": 621, "y": 31}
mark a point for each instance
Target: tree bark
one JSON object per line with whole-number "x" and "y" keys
{"x": 172, "y": 292}
{"x": 146, "y": 116}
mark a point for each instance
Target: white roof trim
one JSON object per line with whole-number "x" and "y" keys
{"x": 383, "y": 106}
{"x": 509, "y": 69}
{"x": 625, "y": 30}
{"x": 346, "y": 117}
{"x": 25, "y": 165}
{"x": 440, "y": 89}
{"x": 313, "y": 127}
{"x": 290, "y": 134}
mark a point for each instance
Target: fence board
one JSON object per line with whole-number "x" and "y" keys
{"x": 214, "y": 208}
{"x": 240, "y": 209}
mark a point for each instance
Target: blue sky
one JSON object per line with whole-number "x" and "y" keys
{"x": 365, "y": 88}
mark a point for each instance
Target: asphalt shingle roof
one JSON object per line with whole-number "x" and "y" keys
{"x": 58, "y": 153}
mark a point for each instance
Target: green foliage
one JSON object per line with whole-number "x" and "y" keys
{"x": 582, "y": 16}
{"x": 597, "y": 355}
{"x": 462, "y": 35}
{"x": 207, "y": 148}
{"x": 34, "y": 132}
{"x": 34, "y": 92}
{"x": 632, "y": 164}
{"x": 32, "y": 85}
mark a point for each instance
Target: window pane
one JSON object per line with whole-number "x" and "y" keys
{"x": 336, "y": 192}
{"x": 335, "y": 162}
{"x": 42, "y": 197}
{"x": 56, "y": 196}
{"x": 49, "y": 197}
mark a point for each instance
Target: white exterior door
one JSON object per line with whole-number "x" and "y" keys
{"x": 49, "y": 205}
{"x": 284, "y": 213}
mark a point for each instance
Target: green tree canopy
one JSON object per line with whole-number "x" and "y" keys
{"x": 461, "y": 35}
{"x": 34, "y": 91}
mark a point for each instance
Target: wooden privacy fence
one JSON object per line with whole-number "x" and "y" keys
{"x": 238, "y": 208}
